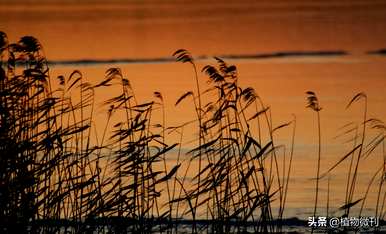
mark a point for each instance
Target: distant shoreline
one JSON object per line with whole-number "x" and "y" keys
{"x": 258, "y": 56}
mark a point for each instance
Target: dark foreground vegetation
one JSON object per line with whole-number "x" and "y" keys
{"x": 58, "y": 175}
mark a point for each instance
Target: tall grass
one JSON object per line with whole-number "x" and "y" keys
{"x": 365, "y": 144}
{"x": 313, "y": 103}
{"x": 61, "y": 171}
{"x": 53, "y": 169}
{"x": 237, "y": 170}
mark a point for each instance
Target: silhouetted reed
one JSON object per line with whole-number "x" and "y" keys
{"x": 53, "y": 169}
{"x": 360, "y": 152}
{"x": 313, "y": 103}
{"x": 237, "y": 169}
{"x": 59, "y": 173}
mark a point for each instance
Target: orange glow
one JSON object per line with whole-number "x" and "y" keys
{"x": 155, "y": 29}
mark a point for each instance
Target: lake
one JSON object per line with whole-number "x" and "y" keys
{"x": 140, "y": 36}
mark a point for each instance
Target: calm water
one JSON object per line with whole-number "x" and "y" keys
{"x": 155, "y": 29}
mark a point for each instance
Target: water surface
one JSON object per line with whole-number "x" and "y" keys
{"x": 148, "y": 32}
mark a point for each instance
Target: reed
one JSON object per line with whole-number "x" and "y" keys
{"x": 234, "y": 183}
{"x": 51, "y": 167}
{"x": 313, "y": 103}
{"x": 365, "y": 143}
{"x": 59, "y": 173}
